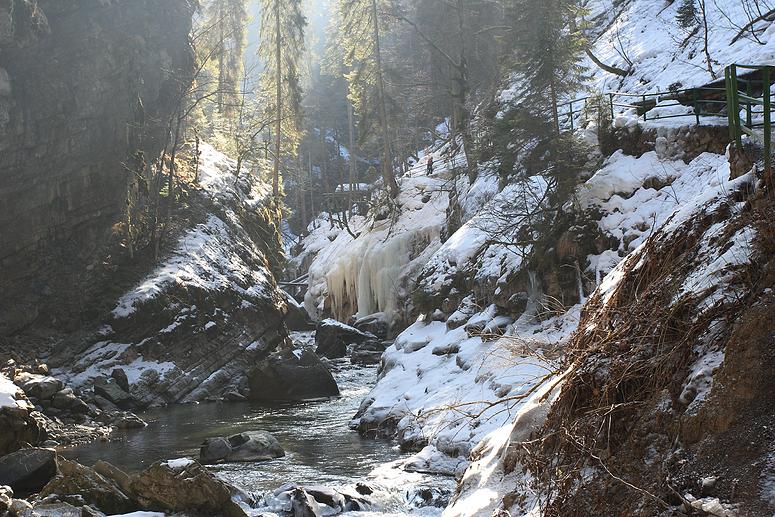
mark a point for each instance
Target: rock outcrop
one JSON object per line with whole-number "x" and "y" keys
{"x": 71, "y": 75}
{"x": 291, "y": 375}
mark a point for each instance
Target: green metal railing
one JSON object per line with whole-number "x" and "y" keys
{"x": 758, "y": 111}
{"x": 750, "y": 92}
{"x": 701, "y": 100}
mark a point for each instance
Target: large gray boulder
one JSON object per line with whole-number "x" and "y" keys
{"x": 333, "y": 337}
{"x": 28, "y": 470}
{"x": 185, "y": 486}
{"x": 109, "y": 389}
{"x": 76, "y": 483}
{"x": 368, "y": 353}
{"x": 38, "y": 386}
{"x": 243, "y": 447}
{"x": 291, "y": 375}
{"x": 297, "y": 317}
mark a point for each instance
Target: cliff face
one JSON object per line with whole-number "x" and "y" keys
{"x": 72, "y": 75}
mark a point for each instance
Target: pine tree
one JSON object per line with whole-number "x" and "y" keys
{"x": 361, "y": 34}
{"x": 225, "y": 24}
{"x": 281, "y": 49}
{"x": 687, "y": 14}
{"x": 547, "y": 55}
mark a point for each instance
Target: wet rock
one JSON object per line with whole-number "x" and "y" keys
{"x": 28, "y": 470}
{"x": 18, "y": 426}
{"x": 297, "y": 318}
{"x": 369, "y": 352}
{"x": 326, "y": 496}
{"x": 332, "y": 338}
{"x": 421, "y": 497}
{"x": 115, "y": 474}
{"x": 234, "y": 396}
{"x": 6, "y": 497}
{"x": 250, "y": 446}
{"x": 109, "y": 389}
{"x": 374, "y": 324}
{"x": 184, "y": 486}
{"x": 129, "y": 420}
{"x": 54, "y": 509}
{"x": 304, "y": 505}
{"x": 92, "y": 488}
{"x": 214, "y": 450}
{"x": 38, "y": 386}
{"x": 121, "y": 379}
{"x": 291, "y": 375}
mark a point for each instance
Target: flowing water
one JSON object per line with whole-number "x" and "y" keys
{"x": 320, "y": 448}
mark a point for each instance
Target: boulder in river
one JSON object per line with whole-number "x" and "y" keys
{"x": 249, "y": 446}
{"x": 88, "y": 487}
{"x": 28, "y": 470}
{"x": 184, "y": 485}
{"x": 332, "y": 338}
{"x": 304, "y": 505}
{"x": 291, "y": 375}
{"x": 369, "y": 352}
{"x": 109, "y": 389}
{"x": 297, "y": 317}
{"x": 373, "y": 324}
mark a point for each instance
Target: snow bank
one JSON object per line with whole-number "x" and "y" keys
{"x": 8, "y": 391}
{"x": 647, "y": 34}
{"x": 450, "y": 390}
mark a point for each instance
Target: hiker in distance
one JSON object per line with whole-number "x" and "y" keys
{"x": 430, "y": 165}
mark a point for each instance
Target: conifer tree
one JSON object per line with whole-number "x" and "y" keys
{"x": 547, "y": 53}
{"x": 281, "y": 49}
{"x": 361, "y": 34}
{"x": 687, "y": 13}
{"x": 225, "y": 24}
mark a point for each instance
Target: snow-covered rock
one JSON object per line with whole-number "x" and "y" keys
{"x": 194, "y": 325}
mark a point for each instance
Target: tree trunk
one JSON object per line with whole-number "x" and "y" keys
{"x": 555, "y": 113}
{"x": 279, "y": 104}
{"x": 351, "y": 158}
{"x": 387, "y": 160}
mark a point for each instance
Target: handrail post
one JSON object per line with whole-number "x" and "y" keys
{"x": 730, "y": 120}
{"x": 735, "y": 106}
{"x": 767, "y": 126}
{"x": 748, "y": 110}
{"x": 644, "y": 107}
{"x": 571, "y": 115}
{"x": 611, "y": 103}
{"x": 696, "y": 106}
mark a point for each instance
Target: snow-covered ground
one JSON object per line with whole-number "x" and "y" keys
{"x": 8, "y": 392}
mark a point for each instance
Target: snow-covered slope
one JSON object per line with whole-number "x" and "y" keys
{"x": 213, "y": 292}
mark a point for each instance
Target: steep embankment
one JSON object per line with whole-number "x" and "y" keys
{"x": 195, "y": 325}
{"x": 655, "y": 256}
{"x": 73, "y": 76}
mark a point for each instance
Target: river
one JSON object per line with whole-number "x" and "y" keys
{"x": 320, "y": 448}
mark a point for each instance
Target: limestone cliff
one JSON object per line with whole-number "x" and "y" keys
{"x": 71, "y": 74}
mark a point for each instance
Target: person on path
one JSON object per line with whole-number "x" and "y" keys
{"x": 430, "y": 166}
